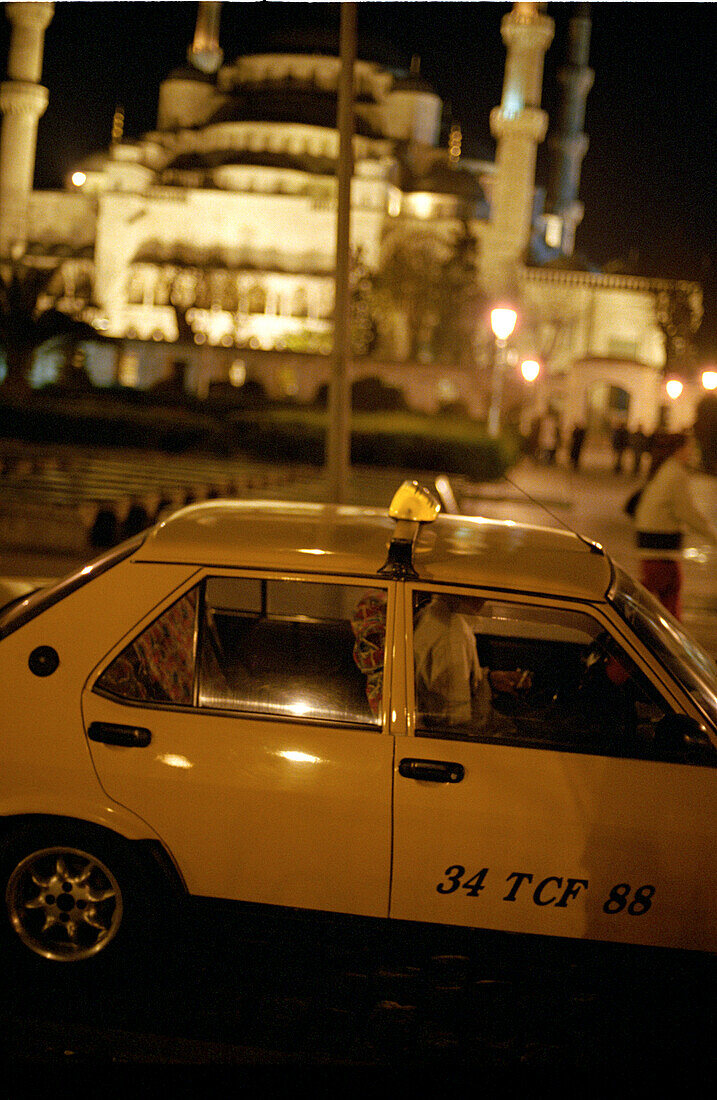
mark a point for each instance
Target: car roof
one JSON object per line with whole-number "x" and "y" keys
{"x": 345, "y": 540}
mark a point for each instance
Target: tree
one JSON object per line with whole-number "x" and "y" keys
{"x": 363, "y": 323}
{"x": 705, "y": 430}
{"x": 431, "y": 280}
{"x": 678, "y": 310}
{"x": 460, "y": 301}
{"x": 25, "y": 326}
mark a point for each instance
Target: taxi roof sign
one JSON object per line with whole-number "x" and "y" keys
{"x": 411, "y": 506}
{"x": 414, "y": 502}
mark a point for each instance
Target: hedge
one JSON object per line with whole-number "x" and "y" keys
{"x": 404, "y": 440}
{"x": 294, "y": 434}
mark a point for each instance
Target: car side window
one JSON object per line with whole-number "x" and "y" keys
{"x": 296, "y": 649}
{"x": 158, "y": 666}
{"x": 531, "y": 675}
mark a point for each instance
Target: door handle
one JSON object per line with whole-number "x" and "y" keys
{"x": 110, "y": 733}
{"x": 431, "y": 771}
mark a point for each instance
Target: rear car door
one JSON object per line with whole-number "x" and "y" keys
{"x": 264, "y": 764}
{"x": 570, "y": 814}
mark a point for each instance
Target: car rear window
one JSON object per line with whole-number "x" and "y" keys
{"x": 22, "y": 611}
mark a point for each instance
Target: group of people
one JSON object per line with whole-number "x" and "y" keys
{"x": 637, "y": 442}
{"x": 546, "y": 438}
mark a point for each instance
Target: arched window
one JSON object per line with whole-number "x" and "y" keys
{"x": 256, "y": 299}
{"x": 300, "y": 303}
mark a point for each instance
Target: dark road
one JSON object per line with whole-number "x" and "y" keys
{"x": 219, "y": 996}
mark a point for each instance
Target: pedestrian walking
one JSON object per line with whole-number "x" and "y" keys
{"x": 577, "y": 440}
{"x": 620, "y": 441}
{"x": 549, "y": 438}
{"x": 639, "y": 441}
{"x": 664, "y": 510}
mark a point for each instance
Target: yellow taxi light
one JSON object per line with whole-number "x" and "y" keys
{"x": 413, "y": 502}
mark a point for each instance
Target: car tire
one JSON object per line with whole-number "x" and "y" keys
{"x": 72, "y": 894}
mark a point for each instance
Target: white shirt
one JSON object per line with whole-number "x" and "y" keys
{"x": 666, "y": 505}
{"x": 449, "y": 678}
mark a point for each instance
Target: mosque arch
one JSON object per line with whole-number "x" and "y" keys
{"x": 256, "y": 299}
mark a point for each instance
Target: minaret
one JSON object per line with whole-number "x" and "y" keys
{"x": 568, "y": 144}
{"x": 22, "y": 102}
{"x": 518, "y": 125}
{"x": 188, "y": 97}
{"x": 204, "y": 53}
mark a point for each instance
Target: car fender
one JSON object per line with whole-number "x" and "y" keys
{"x": 117, "y": 819}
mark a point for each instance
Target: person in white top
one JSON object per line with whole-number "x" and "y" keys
{"x": 452, "y": 690}
{"x": 664, "y": 511}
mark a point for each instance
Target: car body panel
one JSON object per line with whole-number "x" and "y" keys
{"x": 276, "y": 812}
{"x": 290, "y": 813}
{"x": 535, "y": 840}
{"x": 46, "y": 764}
{"x": 557, "y": 832}
{"x": 319, "y": 814}
{"x": 303, "y": 538}
{"x": 316, "y": 538}
{"x": 14, "y": 588}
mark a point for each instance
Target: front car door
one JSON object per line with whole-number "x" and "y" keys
{"x": 266, "y": 768}
{"x": 564, "y": 813}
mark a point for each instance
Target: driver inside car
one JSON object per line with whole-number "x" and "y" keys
{"x": 452, "y": 689}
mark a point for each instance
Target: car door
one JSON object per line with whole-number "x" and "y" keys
{"x": 264, "y": 765}
{"x": 567, "y": 816}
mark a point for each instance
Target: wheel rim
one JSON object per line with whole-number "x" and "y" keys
{"x": 64, "y": 904}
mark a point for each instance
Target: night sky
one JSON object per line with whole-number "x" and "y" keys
{"x": 649, "y": 180}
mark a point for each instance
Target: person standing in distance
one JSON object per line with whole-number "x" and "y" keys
{"x": 664, "y": 511}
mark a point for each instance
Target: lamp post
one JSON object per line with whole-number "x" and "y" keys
{"x": 338, "y": 443}
{"x": 502, "y": 322}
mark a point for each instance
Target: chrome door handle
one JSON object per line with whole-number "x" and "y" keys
{"x": 110, "y": 733}
{"x": 431, "y": 771}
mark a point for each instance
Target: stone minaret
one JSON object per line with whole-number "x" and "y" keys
{"x": 22, "y": 102}
{"x": 568, "y": 144}
{"x": 518, "y": 125}
{"x": 204, "y": 53}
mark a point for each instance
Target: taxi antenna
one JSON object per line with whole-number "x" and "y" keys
{"x": 594, "y": 547}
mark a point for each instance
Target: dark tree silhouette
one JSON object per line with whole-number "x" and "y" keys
{"x": 25, "y": 326}
{"x": 706, "y": 431}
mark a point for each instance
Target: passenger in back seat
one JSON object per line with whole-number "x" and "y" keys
{"x": 369, "y": 627}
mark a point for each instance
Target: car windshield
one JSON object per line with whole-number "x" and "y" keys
{"x": 20, "y": 611}
{"x": 681, "y": 655}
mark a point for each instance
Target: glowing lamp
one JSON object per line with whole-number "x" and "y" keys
{"x": 502, "y": 321}
{"x": 530, "y": 369}
{"x": 674, "y": 388}
{"x": 422, "y": 204}
{"x": 78, "y": 178}
{"x": 237, "y": 372}
{"x": 709, "y": 379}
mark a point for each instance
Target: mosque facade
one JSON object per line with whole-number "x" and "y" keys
{"x": 210, "y": 241}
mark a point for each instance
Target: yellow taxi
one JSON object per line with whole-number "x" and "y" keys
{"x": 395, "y": 714}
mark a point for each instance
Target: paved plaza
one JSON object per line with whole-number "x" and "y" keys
{"x": 589, "y": 501}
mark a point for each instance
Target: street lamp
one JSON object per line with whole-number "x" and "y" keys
{"x": 709, "y": 379}
{"x": 502, "y": 322}
{"x": 530, "y": 369}
{"x": 674, "y": 388}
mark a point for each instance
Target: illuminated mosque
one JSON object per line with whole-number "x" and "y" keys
{"x": 211, "y": 239}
